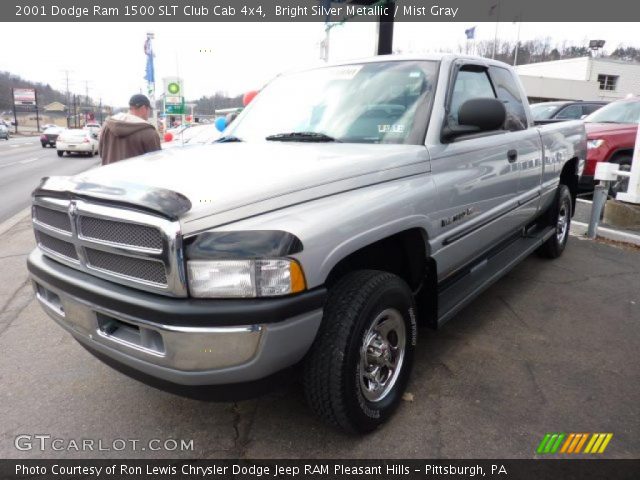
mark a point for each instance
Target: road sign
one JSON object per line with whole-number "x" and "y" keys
{"x": 173, "y": 87}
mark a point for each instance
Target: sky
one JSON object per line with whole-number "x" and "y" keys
{"x": 108, "y": 58}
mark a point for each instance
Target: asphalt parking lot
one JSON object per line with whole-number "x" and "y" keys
{"x": 552, "y": 347}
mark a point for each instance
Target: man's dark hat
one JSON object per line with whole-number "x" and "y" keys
{"x": 139, "y": 100}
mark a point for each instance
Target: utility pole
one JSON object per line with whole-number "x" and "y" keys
{"x": 66, "y": 72}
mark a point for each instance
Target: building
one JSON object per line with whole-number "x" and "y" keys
{"x": 583, "y": 78}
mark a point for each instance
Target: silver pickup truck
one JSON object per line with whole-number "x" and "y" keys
{"x": 345, "y": 205}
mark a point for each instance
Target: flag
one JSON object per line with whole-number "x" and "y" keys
{"x": 148, "y": 51}
{"x": 470, "y": 33}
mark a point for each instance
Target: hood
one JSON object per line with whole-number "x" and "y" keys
{"x": 124, "y": 124}
{"x": 231, "y": 181}
{"x": 594, "y": 129}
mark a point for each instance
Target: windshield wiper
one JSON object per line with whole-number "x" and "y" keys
{"x": 228, "y": 138}
{"x": 301, "y": 137}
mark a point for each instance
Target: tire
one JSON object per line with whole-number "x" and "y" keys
{"x": 620, "y": 185}
{"x": 359, "y": 309}
{"x": 559, "y": 216}
{"x": 60, "y": 153}
{"x": 44, "y": 145}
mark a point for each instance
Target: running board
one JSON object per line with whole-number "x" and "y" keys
{"x": 484, "y": 273}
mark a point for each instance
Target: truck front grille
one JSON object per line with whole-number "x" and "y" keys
{"x": 52, "y": 218}
{"x": 148, "y": 270}
{"x": 120, "y": 232}
{"x": 119, "y": 244}
{"x": 60, "y": 247}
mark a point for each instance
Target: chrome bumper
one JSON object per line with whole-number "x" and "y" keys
{"x": 182, "y": 355}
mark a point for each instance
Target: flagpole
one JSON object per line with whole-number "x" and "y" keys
{"x": 151, "y": 79}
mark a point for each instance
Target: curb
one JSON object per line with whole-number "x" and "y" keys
{"x": 13, "y": 221}
{"x": 580, "y": 229}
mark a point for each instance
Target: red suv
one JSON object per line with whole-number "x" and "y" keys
{"x": 611, "y": 137}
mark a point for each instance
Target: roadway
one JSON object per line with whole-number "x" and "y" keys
{"x": 23, "y": 162}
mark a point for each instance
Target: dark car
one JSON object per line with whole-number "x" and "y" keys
{"x": 558, "y": 111}
{"x": 49, "y": 136}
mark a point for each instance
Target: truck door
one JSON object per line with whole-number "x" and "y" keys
{"x": 478, "y": 176}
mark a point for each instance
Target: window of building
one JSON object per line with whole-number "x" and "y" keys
{"x": 608, "y": 82}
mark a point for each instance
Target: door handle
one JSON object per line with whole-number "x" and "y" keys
{"x": 512, "y": 155}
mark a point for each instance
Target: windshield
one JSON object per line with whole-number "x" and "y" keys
{"x": 385, "y": 102}
{"x": 617, "y": 112}
{"x": 544, "y": 111}
{"x": 204, "y": 134}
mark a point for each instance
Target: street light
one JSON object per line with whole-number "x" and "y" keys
{"x": 595, "y": 45}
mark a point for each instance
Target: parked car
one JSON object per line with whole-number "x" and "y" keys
{"x": 611, "y": 137}
{"x": 564, "y": 110}
{"x": 318, "y": 238}
{"x": 4, "y": 132}
{"x": 49, "y": 136}
{"x": 77, "y": 141}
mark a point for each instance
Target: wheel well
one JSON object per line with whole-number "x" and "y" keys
{"x": 405, "y": 255}
{"x": 569, "y": 178}
{"x": 621, "y": 153}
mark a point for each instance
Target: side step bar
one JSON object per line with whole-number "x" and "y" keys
{"x": 484, "y": 273}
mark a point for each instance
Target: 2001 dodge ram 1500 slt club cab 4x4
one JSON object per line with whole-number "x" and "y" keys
{"x": 344, "y": 205}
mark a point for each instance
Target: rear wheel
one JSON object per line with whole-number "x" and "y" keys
{"x": 60, "y": 153}
{"x": 559, "y": 216}
{"x": 360, "y": 362}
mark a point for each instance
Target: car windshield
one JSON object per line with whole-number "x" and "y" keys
{"x": 617, "y": 112}
{"x": 382, "y": 102}
{"x": 203, "y": 134}
{"x": 544, "y": 111}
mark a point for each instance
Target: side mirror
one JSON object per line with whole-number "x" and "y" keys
{"x": 475, "y": 116}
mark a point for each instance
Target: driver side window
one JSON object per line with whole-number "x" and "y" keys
{"x": 469, "y": 84}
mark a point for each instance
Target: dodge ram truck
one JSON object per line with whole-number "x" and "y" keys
{"x": 345, "y": 206}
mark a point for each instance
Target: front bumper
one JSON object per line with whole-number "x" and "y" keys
{"x": 181, "y": 341}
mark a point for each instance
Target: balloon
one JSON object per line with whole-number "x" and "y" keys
{"x": 246, "y": 99}
{"x": 168, "y": 137}
{"x": 221, "y": 123}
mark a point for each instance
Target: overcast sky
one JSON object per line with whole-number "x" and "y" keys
{"x": 237, "y": 57}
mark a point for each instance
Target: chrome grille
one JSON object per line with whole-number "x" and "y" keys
{"x": 148, "y": 270}
{"x": 57, "y": 246}
{"x": 53, "y": 218}
{"x": 120, "y": 232}
{"x": 119, "y": 244}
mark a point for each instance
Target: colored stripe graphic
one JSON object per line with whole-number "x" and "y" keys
{"x": 572, "y": 443}
{"x": 582, "y": 442}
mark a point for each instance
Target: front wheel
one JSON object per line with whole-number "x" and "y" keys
{"x": 360, "y": 362}
{"x": 60, "y": 153}
{"x": 560, "y": 218}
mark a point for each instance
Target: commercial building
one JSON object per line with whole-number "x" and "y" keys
{"x": 583, "y": 78}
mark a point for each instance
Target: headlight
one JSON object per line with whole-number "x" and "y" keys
{"x": 244, "y": 278}
{"x": 591, "y": 144}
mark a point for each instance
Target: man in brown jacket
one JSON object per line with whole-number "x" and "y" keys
{"x": 127, "y": 135}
